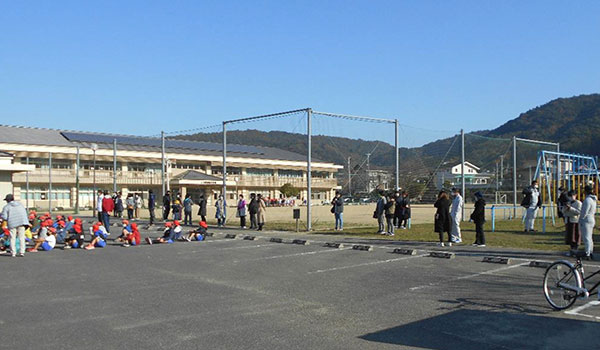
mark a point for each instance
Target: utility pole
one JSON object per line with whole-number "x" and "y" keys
{"x": 349, "y": 178}
{"x": 514, "y": 176}
{"x": 397, "y": 156}
{"x": 308, "y": 169}
{"x": 162, "y": 161}
{"x": 50, "y": 182}
{"x": 368, "y": 172}
{"x": 225, "y": 171}
{"x": 502, "y": 167}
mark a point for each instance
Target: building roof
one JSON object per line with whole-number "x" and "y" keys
{"x": 196, "y": 175}
{"x": 53, "y": 137}
{"x": 6, "y": 154}
{"x": 469, "y": 165}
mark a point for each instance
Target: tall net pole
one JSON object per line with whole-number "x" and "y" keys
{"x": 308, "y": 170}
{"x": 77, "y": 182}
{"x": 514, "y": 176}
{"x": 162, "y": 161}
{"x": 462, "y": 169}
{"x": 50, "y": 182}
{"x": 225, "y": 170}
{"x": 397, "y": 157}
{"x": 114, "y": 165}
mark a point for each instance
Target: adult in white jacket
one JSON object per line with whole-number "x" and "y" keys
{"x": 587, "y": 220}
{"x": 456, "y": 216}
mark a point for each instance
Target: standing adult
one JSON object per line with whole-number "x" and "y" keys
{"x": 118, "y": 205}
{"x": 151, "y": 205}
{"x": 220, "y": 211}
{"x": 130, "y": 202}
{"x": 531, "y": 202}
{"x": 166, "y": 205}
{"x": 442, "y": 217}
{"x": 99, "y": 200}
{"x": 456, "y": 215}
{"x": 587, "y": 220}
{"x": 107, "y": 207}
{"x": 563, "y": 200}
{"x": 478, "y": 217}
{"x": 261, "y": 214}
{"x": 571, "y": 211}
{"x": 187, "y": 209}
{"x": 138, "y": 204}
{"x": 398, "y": 209}
{"x": 390, "y": 209}
{"x": 17, "y": 221}
{"x": 338, "y": 211}
{"x": 241, "y": 210}
{"x": 202, "y": 209}
{"x": 380, "y": 212}
{"x": 404, "y": 205}
{"x": 253, "y": 210}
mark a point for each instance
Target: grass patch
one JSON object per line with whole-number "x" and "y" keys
{"x": 509, "y": 234}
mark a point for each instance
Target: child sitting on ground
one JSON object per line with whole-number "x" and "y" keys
{"x": 125, "y": 232}
{"x": 170, "y": 234}
{"x": 76, "y": 236}
{"x": 99, "y": 239}
{"x": 197, "y": 234}
{"x": 134, "y": 238}
{"x": 46, "y": 243}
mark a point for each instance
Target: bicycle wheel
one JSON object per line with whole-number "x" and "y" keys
{"x": 557, "y": 276}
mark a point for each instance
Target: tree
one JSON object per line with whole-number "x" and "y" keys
{"x": 288, "y": 190}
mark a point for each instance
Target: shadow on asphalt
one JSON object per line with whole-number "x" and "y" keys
{"x": 476, "y": 330}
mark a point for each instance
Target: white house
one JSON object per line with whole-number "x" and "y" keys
{"x": 453, "y": 176}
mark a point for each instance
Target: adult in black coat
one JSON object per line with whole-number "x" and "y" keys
{"x": 442, "y": 217}
{"x": 202, "y": 209}
{"x": 166, "y": 205}
{"x": 253, "y": 210}
{"x": 478, "y": 217}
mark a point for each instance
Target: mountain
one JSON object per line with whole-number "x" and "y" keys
{"x": 574, "y": 122}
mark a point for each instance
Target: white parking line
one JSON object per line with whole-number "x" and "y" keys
{"x": 489, "y": 272}
{"x": 292, "y": 255}
{"x": 250, "y": 246}
{"x": 366, "y": 264}
{"x": 576, "y": 311}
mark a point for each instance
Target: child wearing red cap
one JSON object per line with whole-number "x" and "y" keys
{"x": 134, "y": 238}
{"x": 76, "y": 236}
{"x": 197, "y": 234}
{"x": 98, "y": 240}
{"x": 168, "y": 234}
{"x": 125, "y": 232}
{"x": 47, "y": 243}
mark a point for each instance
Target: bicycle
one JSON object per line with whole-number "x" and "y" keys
{"x": 564, "y": 283}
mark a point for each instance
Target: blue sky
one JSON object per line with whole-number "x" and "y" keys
{"x": 138, "y": 67}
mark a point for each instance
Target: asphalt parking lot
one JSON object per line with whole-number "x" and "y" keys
{"x": 256, "y": 294}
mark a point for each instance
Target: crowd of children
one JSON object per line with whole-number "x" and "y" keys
{"x": 45, "y": 232}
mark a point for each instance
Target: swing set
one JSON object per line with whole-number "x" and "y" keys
{"x": 568, "y": 170}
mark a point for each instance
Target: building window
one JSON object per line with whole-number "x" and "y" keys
{"x": 290, "y": 173}
{"x": 259, "y": 172}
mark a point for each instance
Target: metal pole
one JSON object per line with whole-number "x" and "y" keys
{"x": 558, "y": 164}
{"x": 114, "y": 165}
{"x": 397, "y": 158}
{"x": 27, "y": 184}
{"x": 462, "y": 168}
{"x": 225, "y": 170}
{"x": 77, "y": 182}
{"x": 94, "y": 194}
{"x": 308, "y": 170}
{"x": 514, "y": 176}
{"x": 162, "y": 171}
{"x": 50, "y": 182}
{"x": 349, "y": 179}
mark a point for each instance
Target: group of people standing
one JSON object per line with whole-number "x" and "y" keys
{"x": 448, "y": 217}
{"x": 176, "y": 206}
{"x": 256, "y": 208}
{"x": 392, "y": 211}
{"x": 579, "y": 219}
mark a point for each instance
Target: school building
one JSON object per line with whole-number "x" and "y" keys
{"x": 39, "y": 166}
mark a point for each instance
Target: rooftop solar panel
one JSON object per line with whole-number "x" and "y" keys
{"x": 156, "y": 142}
